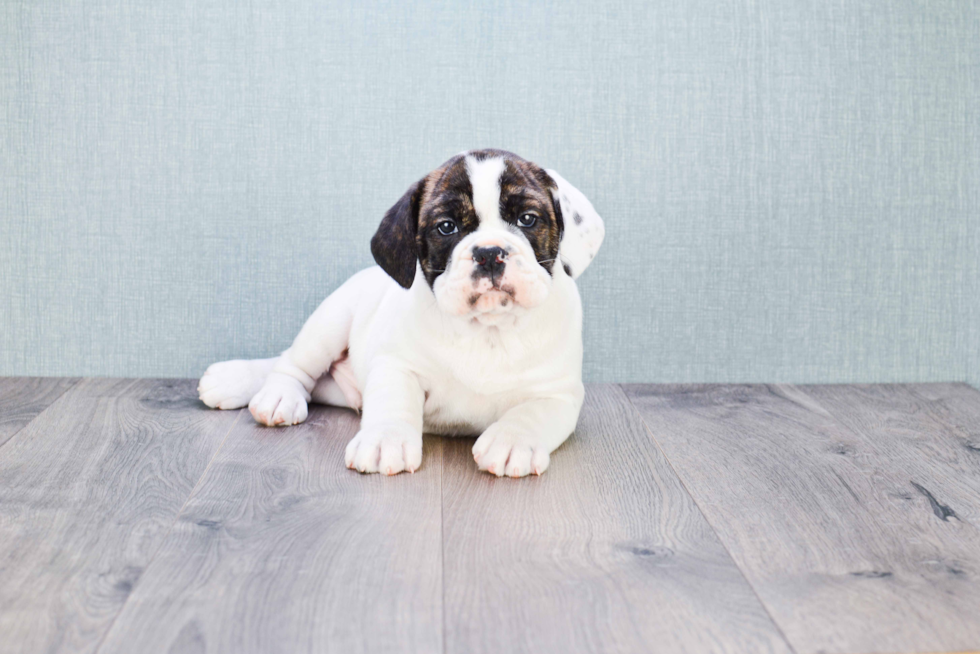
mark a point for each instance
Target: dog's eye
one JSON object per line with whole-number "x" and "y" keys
{"x": 446, "y": 227}
{"x": 527, "y": 220}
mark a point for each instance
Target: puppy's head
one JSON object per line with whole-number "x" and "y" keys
{"x": 489, "y": 232}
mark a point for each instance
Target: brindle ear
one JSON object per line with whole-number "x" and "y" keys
{"x": 559, "y": 216}
{"x": 393, "y": 245}
{"x": 583, "y": 227}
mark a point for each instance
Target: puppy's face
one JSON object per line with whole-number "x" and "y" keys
{"x": 489, "y": 233}
{"x": 487, "y": 230}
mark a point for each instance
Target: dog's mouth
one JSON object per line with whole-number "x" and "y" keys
{"x": 499, "y": 298}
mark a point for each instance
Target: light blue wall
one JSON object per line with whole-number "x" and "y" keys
{"x": 791, "y": 190}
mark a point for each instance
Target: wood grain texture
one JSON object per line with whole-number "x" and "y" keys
{"x": 957, "y": 406}
{"x": 812, "y": 492}
{"x": 921, "y": 431}
{"x": 133, "y": 519}
{"x": 605, "y": 552}
{"x": 283, "y": 549}
{"x": 22, "y": 398}
{"x": 87, "y": 492}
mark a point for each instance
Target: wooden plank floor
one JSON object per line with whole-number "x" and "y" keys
{"x": 604, "y": 552}
{"x": 22, "y": 399}
{"x": 826, "y": 520}
{"x": 720, "y": 518}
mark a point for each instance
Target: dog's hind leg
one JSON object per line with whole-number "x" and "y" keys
{"x": 322, "y": 341}
{"x": 232, "y": 384}
{"x": 338, "y": 387}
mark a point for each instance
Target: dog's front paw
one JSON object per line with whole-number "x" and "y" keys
{"x": 502, "y": 450}
{"x": 389, "y": 449}
{"x": 282, "y": 401}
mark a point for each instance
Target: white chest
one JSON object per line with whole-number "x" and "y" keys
{"x": 471, "y": 378}
{"x": 470, "y": 388}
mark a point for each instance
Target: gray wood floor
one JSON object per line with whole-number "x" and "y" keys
{"x": 719, "y": 518}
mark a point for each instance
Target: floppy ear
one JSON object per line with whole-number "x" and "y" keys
{"x": 583, "y": 228}
{"x": 393, "y": 245}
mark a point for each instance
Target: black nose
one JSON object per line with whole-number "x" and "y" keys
{"x": 489, "y": 261}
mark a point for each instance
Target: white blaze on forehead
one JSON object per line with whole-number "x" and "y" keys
{"x": 485, "y": 180}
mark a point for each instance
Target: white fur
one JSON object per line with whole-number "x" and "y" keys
{"x": 485, "y": 180}
{"x": 428, "y": 359}
{"x": 581, "y": 240}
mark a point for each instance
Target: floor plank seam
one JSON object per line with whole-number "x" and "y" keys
{"x": 714, "y": 530}
{"x": 42, "y": 411}
{"x": 166, "y": 534}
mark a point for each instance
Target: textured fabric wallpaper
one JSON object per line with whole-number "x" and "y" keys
{"x": 791, "y": 190}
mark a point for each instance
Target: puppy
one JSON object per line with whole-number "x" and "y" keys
{"x": 471, "y": 324}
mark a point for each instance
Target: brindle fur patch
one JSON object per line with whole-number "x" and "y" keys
{"x": 526, "y": 188}
{"x": 448, "y": 196}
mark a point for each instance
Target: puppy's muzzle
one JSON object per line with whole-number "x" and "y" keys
{"x": 489, "y": 262}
